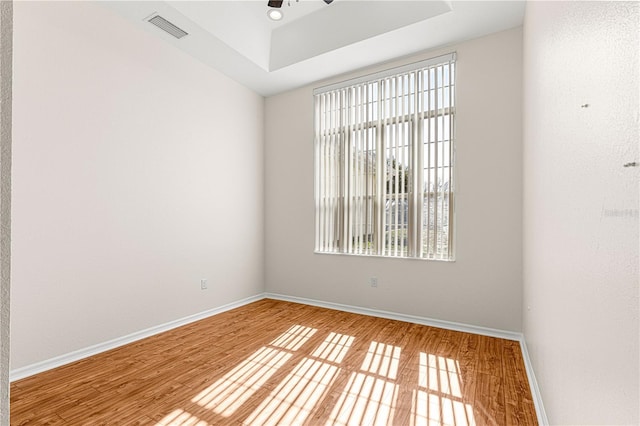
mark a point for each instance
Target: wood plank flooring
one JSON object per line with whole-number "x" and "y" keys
{"x": 280, "y": 363}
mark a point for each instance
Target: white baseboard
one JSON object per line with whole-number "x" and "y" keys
{"x": 39, "y": 367}
{"x": 533, "y": 384}
{"x": 448, "y": 325}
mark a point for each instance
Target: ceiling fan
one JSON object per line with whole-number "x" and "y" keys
{"x": 278, "y": 3}
{"x": 275, "y": 13}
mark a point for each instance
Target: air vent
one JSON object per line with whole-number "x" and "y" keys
{"x": 167, "y": 26}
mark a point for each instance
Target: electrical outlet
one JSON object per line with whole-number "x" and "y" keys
{"x": 373, "y": 281}
{"x": 203, "y": 284}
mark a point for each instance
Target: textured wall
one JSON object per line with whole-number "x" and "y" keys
{"x": 6, "y": 40}
{"x": 483, "y": 286}
{"x": 137, "y": 171}
{"x": 581, "y": 208}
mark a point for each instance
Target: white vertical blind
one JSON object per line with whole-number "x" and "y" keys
{"x": 384, "y": 167}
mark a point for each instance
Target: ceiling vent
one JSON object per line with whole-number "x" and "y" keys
{"x": 167, "y": 26}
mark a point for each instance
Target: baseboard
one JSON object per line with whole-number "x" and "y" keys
{"x": 39, "y": 367}
{"x": 533, "y": 384}
{"x": 448, "y": 325}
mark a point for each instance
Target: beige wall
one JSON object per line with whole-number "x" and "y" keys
{"x": 483, "y": 286}
{"x": 137, "y": 172}
{"x": 581, "y": 208}
{"x": 6, "y": 38}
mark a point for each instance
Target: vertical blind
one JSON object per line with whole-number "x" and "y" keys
{"x": 384, "y": 163}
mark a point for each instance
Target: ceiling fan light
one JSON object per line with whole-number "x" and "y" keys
{"x": 275, "y": 14}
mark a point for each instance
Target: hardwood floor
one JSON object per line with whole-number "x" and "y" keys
{"x": 274, "y": 362}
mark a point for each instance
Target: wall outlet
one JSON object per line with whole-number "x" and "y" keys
{"x": 203, "y": 284}
{"x": 373, "y": 281}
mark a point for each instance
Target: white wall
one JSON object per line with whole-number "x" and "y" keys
{"x": 137, "y": 172}
{"x": 581, "y": 208}
{"x": 483, "y": 287}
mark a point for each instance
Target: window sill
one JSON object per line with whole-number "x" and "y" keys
{"x": 385, "y": 257}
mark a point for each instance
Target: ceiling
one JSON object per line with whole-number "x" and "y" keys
{"x": 315, "y": 41}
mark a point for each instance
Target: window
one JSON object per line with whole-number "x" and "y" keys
{"x": 384, "y": 163}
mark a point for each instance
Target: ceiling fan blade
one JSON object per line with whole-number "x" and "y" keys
{"x": 277, "y": 3}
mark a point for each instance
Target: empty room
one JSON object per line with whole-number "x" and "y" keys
{"x": 319, "y": 212}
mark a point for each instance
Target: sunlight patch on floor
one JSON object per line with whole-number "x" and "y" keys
{"x": 294, "y": 399}
{"x": 181, "y": 418}
{"x": 370, "y": 396}
{"x": 231, "y": 391}
{"x": 334, "y": 347}
{"x": 294, "y": 337}
{"x": 438, "y": 400}
{"x": 227, "y": 394}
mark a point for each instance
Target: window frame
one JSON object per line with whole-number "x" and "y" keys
{"x": 414, "y": 245}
